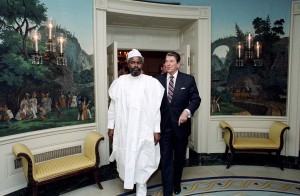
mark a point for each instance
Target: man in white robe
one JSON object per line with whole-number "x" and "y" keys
{"x": 134, "y": 124}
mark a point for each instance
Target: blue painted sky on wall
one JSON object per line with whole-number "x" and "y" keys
{"x": 225, "y": 13}
{"x": 76, "y": 16}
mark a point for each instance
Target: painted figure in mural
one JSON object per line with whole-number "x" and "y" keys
{"x": 79, "y": 100}
{"x": 84, "y": 107}
{"x": 27, "y": 96}
{"x": 84, "y": 111}
{"x": 62, "y": 102}
{"x": 44, "y": 101}
{"x": 69, "y": 100}
{"x": 42, "y": 112}
{"x": 58, "y": 109}
{"x": 6, "y": 115}
{"x": 21, "y": 114}
{"x": 89, "y": 107}
{"x": 134, "y": 124}
{"x": 30, "y": 113}
{"x": 24, "y": 103}
{"x": 181, "y": 100}
{"x": 74, "y": 102}
{"x": 80, "y": 103}
{"x": 218, "y": 101}
{"x": 215, "y": 104}
{"x": 33, "y": 102}
{"x": 48, "y": 106}
{"x": 26, "y": 110}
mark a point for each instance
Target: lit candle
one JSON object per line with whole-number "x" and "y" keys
{"x": 61, "y": 40}
{"x": 249, "y": 41}
{"x": 257, "y": 49}
{"x": 239, "y": 47}
{"x": 36, "y": 42}
{"x": 50, "y": 30}
{"x": 61, "y": 48}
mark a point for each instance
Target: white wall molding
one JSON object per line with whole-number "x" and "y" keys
{"x": 41, "y": 141}
{"x": 157, "y": 10}
{"x": 293, "y": 82}
{"x": 100, "y": 4}
{"x": 296, "y": 7}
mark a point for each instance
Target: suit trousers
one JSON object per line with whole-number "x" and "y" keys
{"x": 173, "y": 151}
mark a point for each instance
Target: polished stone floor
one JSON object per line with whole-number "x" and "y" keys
{"x": 197, "y": 166}
{"x": 115, "y": 186}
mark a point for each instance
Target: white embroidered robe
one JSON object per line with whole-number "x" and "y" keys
{"x": 134, "y": 113}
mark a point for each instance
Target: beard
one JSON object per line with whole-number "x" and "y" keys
{"x": 135, "y": 71}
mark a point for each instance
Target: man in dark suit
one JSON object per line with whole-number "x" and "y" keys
{"x": 181, "y": 100}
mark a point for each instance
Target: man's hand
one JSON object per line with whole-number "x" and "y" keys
{"x": 110, "y": 133}
{"x": 156, "y": 138}
{"x": 183, "y": 117}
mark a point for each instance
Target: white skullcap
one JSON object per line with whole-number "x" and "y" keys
{"x": 134, "y": 53}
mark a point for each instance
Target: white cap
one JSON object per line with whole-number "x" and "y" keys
{"x": 134, "y": 53}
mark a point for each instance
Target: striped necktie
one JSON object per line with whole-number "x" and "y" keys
{"x": 170, "y": 89}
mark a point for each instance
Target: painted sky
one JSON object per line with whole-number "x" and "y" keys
{"x": 226, "y": 13}
{"x": 76, "y": 16}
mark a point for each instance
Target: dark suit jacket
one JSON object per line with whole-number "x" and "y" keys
{"x": 186, "y": 96}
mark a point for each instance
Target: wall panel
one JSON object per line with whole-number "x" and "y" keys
{"x": 43, "y": 141}
{"x": 142, "y": 38}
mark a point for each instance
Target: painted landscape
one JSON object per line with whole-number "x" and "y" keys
{"x": 36, "y": 96}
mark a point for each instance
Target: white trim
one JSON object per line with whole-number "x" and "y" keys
{"x": 293, "y": 109}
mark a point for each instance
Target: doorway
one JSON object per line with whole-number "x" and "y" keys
{"x": 151, "y": 27}
{"x": 153, "y": 60}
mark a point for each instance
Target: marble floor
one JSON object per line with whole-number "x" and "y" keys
{"x": 207, "y": 165}
{"x": 197, "y": 166}
{"x": 115, "y": 186}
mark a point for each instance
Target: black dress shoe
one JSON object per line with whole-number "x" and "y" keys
{"x": 177, "y": 190}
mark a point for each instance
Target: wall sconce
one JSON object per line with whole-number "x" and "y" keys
{"x": 250, "y": 53}
{"x": 53, "y": 48}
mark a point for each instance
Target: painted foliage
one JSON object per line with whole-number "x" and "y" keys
{"x": 256, "y": 84}
{"x": 48, "y": 94}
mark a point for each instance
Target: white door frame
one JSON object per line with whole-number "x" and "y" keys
{"x": 200, "y": 14}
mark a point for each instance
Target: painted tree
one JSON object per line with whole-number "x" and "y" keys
{"x": 18, "y": 75}
{"x": 269, "y": 36}
{"x": 239, "y": 33}
{"x": 20, "y": 17}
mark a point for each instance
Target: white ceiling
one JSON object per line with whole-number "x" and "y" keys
{"x": 145, "y": 21}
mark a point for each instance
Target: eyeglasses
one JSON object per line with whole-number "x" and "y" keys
{"x": 135, "y": 62}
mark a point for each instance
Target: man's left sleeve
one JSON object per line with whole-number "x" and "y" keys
{"x": 195, "y": 99}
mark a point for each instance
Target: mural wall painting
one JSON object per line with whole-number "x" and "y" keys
{"x": 36, "y": 97}
{"x": 42, "y": 96}
{"x": 251, "y": 89}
